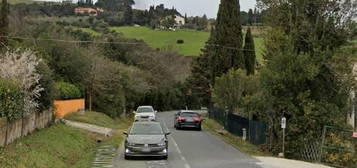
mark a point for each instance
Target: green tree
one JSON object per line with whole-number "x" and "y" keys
{"x": 222, "y": 52}
{"x": 128, "y": 15}
{"x": 250, "y": 17}
{"x": 249, "y": 53}
{"x": 227, "y": 39}
{"x": 299, "y": 80}
{"x": 4, "y": 22}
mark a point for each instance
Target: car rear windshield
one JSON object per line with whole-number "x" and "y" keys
{"x": 145, "y": 110}
{"x": 146, "y": 129}
{"x": 189, "y": 114}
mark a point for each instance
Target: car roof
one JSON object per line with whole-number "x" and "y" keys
{"x": 187, "y": 111}
{"x": 145, "y": 107}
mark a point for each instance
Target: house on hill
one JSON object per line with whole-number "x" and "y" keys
{"x": 88, "y": 11}
{"x": 180, "y": 21}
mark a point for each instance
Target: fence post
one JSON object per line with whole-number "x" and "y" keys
{"x": 322, "y": 143}
{"x": 7, "y": 127}
{"x": 244, "y": 134}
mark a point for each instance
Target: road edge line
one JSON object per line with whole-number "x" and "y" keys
{"x": 180, "y": 153}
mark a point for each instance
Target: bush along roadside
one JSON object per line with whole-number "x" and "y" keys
{"x": 11, "y": 104}
{"x": 68, "y": 91}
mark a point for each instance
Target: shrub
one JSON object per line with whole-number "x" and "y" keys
{"x": 48, "y": 94}
{"x": 180, "y": 41}
{"x": 68, "y": 91}
{"x": 20, "y": 66}
{"x": 11, "y": 100}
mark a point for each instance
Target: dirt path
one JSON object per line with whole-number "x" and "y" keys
{"x": 90, "y": 127}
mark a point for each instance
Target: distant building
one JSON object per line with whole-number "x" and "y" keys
{"x": 180, "y": 21}
{"x": 88, "y": 11}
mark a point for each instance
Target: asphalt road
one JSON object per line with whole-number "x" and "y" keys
{"x": 192, "y": 149}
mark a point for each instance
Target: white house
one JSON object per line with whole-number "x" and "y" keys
{"x": 180, "y": 21}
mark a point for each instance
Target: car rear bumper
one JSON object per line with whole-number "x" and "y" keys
{"x": 188, "y": 124}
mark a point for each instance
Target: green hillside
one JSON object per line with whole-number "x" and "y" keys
{"x": 194, "y": 40}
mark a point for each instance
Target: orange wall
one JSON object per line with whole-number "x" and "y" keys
{"x": 64, "y": 107}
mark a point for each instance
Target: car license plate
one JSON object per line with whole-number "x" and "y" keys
{"x": 146, "y": 150}
{"x": 189, "y": 120}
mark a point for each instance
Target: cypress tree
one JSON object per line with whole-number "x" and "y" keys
{"x": 227, "y": 39}
{"x": 4, "y": 22}
{"x": 250, "y": 17}
{"x": 249, "y": 53}
{"x": 222, "y": 52}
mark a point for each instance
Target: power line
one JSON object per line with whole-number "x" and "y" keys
{"x": 106, "y": 42}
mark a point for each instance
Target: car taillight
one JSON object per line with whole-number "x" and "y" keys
{"x": 180, "y": 119}
{"x": 197, "y": 119}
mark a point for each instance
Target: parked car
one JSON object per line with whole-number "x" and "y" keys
{"x": 146, "y": 139}
{"x": 189, "y": 119}
{"x": 146, "y": 113}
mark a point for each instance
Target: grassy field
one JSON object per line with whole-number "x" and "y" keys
{"x": 57, "y": 147}
{"x": 194, "y": 40}
{"x": 243, "y": 146}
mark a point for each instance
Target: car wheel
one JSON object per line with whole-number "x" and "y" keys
{"x": 199, "y": 128}
{"x": 126, "y": 157}
{"x": 165, "y": 157}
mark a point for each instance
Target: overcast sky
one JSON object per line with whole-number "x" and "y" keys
{"x": 193, "y": 7}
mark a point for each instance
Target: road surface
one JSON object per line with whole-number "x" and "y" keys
{"x": 192, "y": 149}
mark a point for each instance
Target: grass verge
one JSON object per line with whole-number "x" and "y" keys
{"x": 243, "y": 146}
{"x": 99, "y": 119}
{"x": 59, "y": 146}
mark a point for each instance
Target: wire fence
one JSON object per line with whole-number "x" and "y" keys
{"x": 338, "y": 147}
{"x": 256, "y": 131}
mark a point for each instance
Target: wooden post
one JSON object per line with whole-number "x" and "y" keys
{"x": 7, "y": 122}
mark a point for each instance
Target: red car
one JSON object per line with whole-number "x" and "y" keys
{"x": 188, "y": 119}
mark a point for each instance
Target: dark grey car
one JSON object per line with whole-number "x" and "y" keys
{"x": 146, "y": 139}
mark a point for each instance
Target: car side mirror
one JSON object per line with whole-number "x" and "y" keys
{"x": 134, "y": 112}
{"x": 155, "y": 111}
{"x": 167, "y": 133}
{"x": 125, "y": 133}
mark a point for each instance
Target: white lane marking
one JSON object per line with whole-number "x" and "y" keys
{"x": 180, "y": 153}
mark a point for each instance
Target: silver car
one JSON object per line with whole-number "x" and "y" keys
{"x": 146, "y": 139}
{"x": 145, "y": 113}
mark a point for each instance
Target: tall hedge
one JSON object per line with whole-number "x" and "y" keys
{"x": 11, "y": 100}
{"x": 68, "y": 91}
